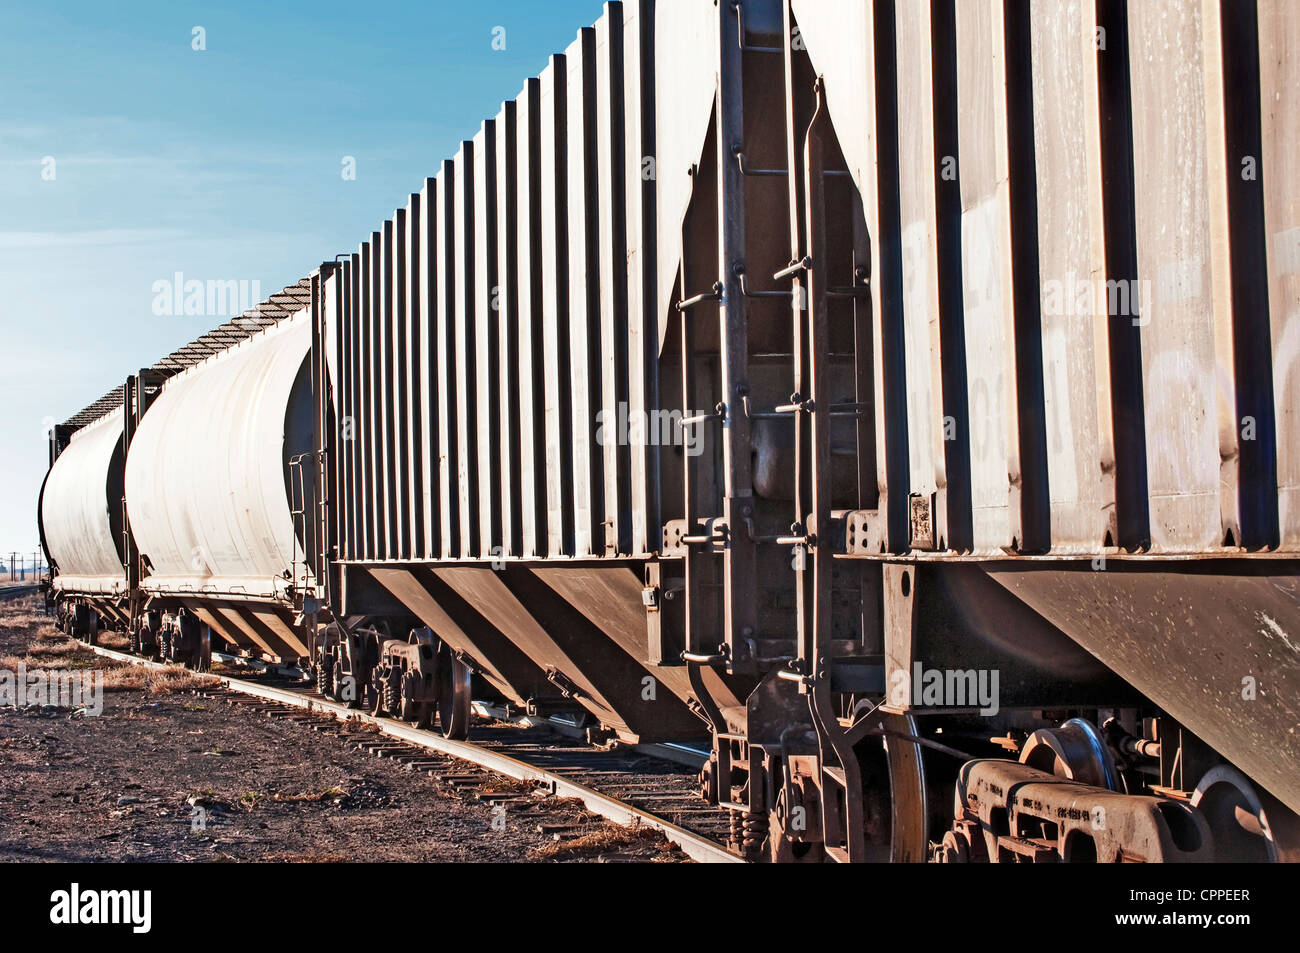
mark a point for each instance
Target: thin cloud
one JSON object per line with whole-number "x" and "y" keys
{"x": 10, "y": 241}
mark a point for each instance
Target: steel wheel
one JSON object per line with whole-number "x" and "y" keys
{"x": 894, "y": 792}
{"x": 1249, "y": 825}
{"x": 453, "y": 695}
{"x": 1076, "y": 751}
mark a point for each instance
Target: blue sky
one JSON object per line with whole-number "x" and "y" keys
{"x": 223, "y": 163}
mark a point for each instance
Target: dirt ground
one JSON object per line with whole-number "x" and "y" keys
{"x": 163, "y": 774}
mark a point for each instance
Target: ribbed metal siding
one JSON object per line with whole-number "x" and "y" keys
{"x": 492, "y": 320}
{"x": 1020, "y": 153}
{"x": 533, "y": 465}
{"x": 486, "y": 356}
{"x": 1279, "y": 70}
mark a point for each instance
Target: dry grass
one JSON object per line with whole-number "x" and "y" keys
{"x": 54, "y": 647}
{"x": 114, "y": 640}
{"x": 44, "y": 662}
{"x": 604, "y": 839}
{"x": 353, "y": 725}
{"x": 138, "y": 678}
{"x": 17, "y": 615}
{"x": 504, "y": 785}
{"x": 48, "y": 648}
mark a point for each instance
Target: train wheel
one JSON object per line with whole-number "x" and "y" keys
{"x": 894, "y": 794}
{"x": 1248, "y": 825}
{"x": 453, "y": 695}
{"x": 1076, "y": 751}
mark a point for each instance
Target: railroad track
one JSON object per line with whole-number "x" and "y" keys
{"x": 15, "y": 592}
{"x": 626, "y": 786}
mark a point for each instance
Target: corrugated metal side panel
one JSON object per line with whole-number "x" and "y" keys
{"x": 361, "y": 515}
{"x": 501, "y": 346}
{"x": 509, "y": 376}
{"x": 642, "y": 308}
{"x": 415, "y": 394}
{"x": 368, "y": 423}
{"x": 854, "y": 45}
{"x": 1125, "y": 379}
{"x": 486, "y": 345}
{"x": 330, "y": 286}
{"x": 554, "y": 198}
{"x": 584, "y": 294}
{"x": 345, "y": 363}
{"x": 988, "y": 303}
{"x": 685, "y": 80}
{"x": 334, "y": 327}
{"x": 1174, "y": 256}
{"x": 533, "y": 455}
{"x": 1075, "y": 356}
{"x": 918, "y": 215}
{"x": 426, "y": 237}
{"x": 615, "y": 321}
{"x": 448, "y": 423}
{"x": 397, "y": 281}
{"x": 390, "y": 343}
{"x": 466, "y": 393}
{"x": 1279, "y": 68}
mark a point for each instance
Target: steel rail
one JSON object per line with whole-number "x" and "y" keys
{"x": 695, "y": 846}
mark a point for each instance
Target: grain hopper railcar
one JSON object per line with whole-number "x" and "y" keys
{"x": 899, "y": 395}
{"x": 81, "y": 523}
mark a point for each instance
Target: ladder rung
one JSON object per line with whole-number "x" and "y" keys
{"x": 745, "y": 170}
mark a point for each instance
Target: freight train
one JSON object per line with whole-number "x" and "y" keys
{"x": 897, "y": 397}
